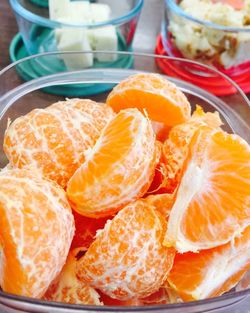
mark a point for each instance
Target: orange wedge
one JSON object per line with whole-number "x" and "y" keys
{"x": 36, "y": 230}
{"x": 212, "y": 203}
{"x": 161, "y": 99}
{"x": 211, "y": 272}
{"x": 119, "y": 169}
{"x": 127, "y": 260}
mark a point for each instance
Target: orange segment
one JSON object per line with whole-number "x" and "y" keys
{"x": 244, "y": 283}
{"x": 161, "y": 99}
{"x": 213, "y": 199}
{"x": 119, "y": 169}
{"x": 127, "y": 260}
{"x": 211, "y": 272}
{"x": 54, "y": 141}
{"x": 175, "y": 148}
{"x": 67, "y": 288}
{"x": 36, "y": 230}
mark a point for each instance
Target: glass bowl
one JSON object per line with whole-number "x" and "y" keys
{"x": 226, "y": 48}
{"x": 17, "y": 97}
{"x": 41, "y": 34}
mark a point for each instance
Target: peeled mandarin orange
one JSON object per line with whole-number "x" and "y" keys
{"x": 119, "y": 169}
{"x": 162, "y": 100}
{"x": 211, "y": 272}
{"x": 68, "y": 289}
{"x": 175, "y": 148}
{"x": 54, "y": 140}
{"x": 36, "y": 230}
{"x": 86, "y": 229}
{"x": 212, "y": 203}
{"x": 127, "y": 260}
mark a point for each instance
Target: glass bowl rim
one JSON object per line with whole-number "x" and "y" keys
{"x": 107, "y": 308}
{"x": 58, "y": 305}
{"x": 172, "y": 5}
{"x": 126, "y": 53}
{"x": 46, "y": 22}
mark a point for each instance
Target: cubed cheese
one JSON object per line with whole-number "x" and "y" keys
{"x": 71, "y": 39}
{"x": 100, "y": 12}
{"x": 58, "y": 9}
{"x": 104, "y": 38}
{"x": 80, "y": 12}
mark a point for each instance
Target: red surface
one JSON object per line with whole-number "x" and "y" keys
{"x": 199, "y": 76}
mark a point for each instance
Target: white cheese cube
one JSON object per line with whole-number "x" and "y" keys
{"x": 71, "y": 39}
{"x": 58, "y": 9}
{"x": 100, "y": 12}
{"x": 79, "y": 12}
{"x": 104, "y": 38}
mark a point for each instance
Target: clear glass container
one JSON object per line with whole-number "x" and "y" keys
{"x": 17, "y": 97}
{"x": 41, "y": 34}
{"x": 227, "y": 48}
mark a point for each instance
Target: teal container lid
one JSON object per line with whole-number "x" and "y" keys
{"x": 41, "y": 3}
{"x": 33, "y": 69}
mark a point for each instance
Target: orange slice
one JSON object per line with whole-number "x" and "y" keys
{"x": 127, "y": 260}
{"x": 36, "y": 230}
{"x": 54, "y": 140}
{"x": 211, "y": 272}
{"x": 175, "y": 148}
{"x": 119, "y": 169}
{"x": 244, "y": 283}
{"x": 212, "y": 203}
{"x": 68, "y": 289}
{"x": 161, "y": 99}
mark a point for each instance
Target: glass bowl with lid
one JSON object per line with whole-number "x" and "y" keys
{"x": 20, "y": 94}
{"x": 76, "y": 26}
{"x": 210, "y": 33}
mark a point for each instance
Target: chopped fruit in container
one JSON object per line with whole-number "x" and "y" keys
{"x": 127, "y": 260}
{"x": 119, "y": 168}
{"x": 212, "y": 272}
{"x": 54, "y": 141}
{"x": 37, "y": 228}
{"x": 225, "y": 43}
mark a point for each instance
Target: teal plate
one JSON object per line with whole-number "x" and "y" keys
{"x": 33, "y": 69}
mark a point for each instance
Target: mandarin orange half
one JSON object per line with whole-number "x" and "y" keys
{"x": 54, "y": 141}
{"x": 127, "y": 260}
{"x": 211, "y": 272}
{"x": 68, "y": 288}
{"x": 36, "y": 230}
{"x": 212, "y": 203}
{"x": 162, "y": 100}
{"x": 119, "y": 169}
